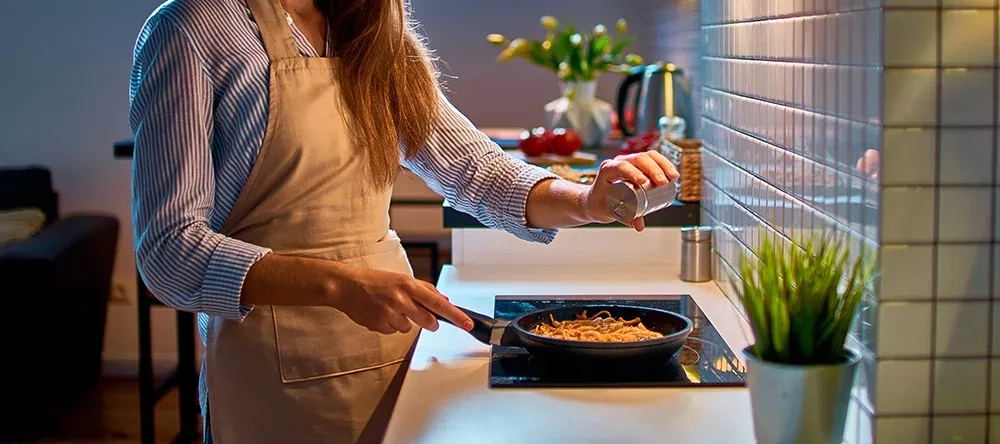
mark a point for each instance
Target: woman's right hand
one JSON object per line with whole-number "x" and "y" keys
{"x": 386, "y": 302}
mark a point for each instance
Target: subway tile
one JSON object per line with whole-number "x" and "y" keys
{"x": 911, "y": 38}
{"x": 904, "y": 330}
{"x": 994, "y": 425}
{"x": 899, "y": 430}
{"x": 967, "y": 97}
{"x": 960, "y": 386}
{"x": 963, "y": 271}
{"x": 905, "y": 272}
{"x": 895, "y": 3}
{"x": 967, "y": 37}
{"x": 909, "y": 97}
{"x": 963, "y": 151}
{"x": 959, "y": 429}
{"x": 995, "y": 387}
{"x": 995, "y": 343}
{"x": 907, "y": 214}
{"x": 962, "y": 329}
{"x": 902, "y": 387}
{"x": 964, "y": 214}
{"x": 908, "y": 157}
{"x": 968, "y": 3}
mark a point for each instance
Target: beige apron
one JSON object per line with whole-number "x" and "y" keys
{"x": 306, "y": 374}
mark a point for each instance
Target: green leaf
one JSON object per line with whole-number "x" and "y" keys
{"x": 802, "y": 297}
{"x": 620, "y": 46}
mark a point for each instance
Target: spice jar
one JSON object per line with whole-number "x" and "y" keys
{"x": 628, "y": 202}
{"x": 696, "y": 254}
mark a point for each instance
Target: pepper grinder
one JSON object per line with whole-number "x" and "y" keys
{"x": 696, "y": 254}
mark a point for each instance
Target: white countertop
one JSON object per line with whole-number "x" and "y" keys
{"x": 446, "y": 398}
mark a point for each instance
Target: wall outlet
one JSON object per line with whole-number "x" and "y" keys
{"x": 119, "y": 295}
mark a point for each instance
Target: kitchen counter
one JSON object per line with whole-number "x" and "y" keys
{"x": 446, "y": 399}
{"x": 680, "y": 214}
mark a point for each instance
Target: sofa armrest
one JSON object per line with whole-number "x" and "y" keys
{"x": 61, "y": 238}
{"x": 74, "y": 252}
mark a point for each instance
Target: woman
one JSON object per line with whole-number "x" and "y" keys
{"x": 268, "y": 134}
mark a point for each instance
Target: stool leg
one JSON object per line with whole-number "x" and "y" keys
{"x": 187, "y": 383}
{"x": 147, "y": 403}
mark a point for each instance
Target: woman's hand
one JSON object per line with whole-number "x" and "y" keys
{"x": 638, "y": 168}
{"x": 381, "y": 301}
{"x": 386, "y": 302}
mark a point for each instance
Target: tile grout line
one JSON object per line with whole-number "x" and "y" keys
{"x": 991, "y": 324}
{"x": 936, "y": 202}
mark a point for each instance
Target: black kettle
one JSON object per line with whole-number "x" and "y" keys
{"x": 660, "y": 98}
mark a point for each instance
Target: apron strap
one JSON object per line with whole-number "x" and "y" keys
{"x": 274, "y": 29}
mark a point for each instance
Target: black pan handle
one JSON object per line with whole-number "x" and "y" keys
{"x": 482, "y": 325}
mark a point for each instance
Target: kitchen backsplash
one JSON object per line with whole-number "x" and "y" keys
{"x": 794, "y": 93}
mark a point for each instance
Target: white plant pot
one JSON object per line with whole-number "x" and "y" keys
{"x": 800, "y": 404}
{"x": 579, "y": 109}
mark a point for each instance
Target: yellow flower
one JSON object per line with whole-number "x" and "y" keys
{"x": 547, "y": 45}
{"x": 633, "y": 59}
{"x": 519, "y": 46}
{"x": 600, "y": 30}
{"x": 549, "y": 22}
{"x": 496, "y": 39}
{"x": 505, "y": 55}
{"x": 622, "y": 26}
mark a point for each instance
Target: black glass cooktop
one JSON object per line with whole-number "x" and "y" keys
{"x": 705, "y": 360}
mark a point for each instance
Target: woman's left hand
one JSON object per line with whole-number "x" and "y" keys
{"x": 638, "y": 168}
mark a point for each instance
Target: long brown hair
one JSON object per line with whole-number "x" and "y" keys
{"x": 388, "y": 79}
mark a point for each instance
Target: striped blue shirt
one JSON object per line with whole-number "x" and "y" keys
{"x": 199, "y": 101}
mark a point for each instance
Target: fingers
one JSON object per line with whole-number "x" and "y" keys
{"x": 651, "y": 169}
{"x": 399, "y": 323}
{"x": 382, "y": 325}
{"x": 619, "y": 169}
{"x": 640, "y": 168}
{"x": 668, "y": 167}
{"x": 639, "y": 224}
{"x": 438, "y": 304}
{"x": 417, "y": 312}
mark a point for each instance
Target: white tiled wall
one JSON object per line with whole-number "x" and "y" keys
{"x": 794, "y": 92}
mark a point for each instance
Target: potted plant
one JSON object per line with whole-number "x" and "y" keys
{"x": 801, "y": 301}
{"x": 577, "y": 59}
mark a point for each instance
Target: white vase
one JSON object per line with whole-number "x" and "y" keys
{"x": 795, "y": 404}
{"x": 579, "y": 109}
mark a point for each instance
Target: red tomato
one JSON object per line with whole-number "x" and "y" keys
{"x": 535, "y": 142}
{"x": 565, "y": 142}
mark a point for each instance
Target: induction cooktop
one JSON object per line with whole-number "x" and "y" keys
{"x": 704, "y": 361}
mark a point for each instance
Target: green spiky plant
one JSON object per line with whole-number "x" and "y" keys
{"x": 795, "y": 302}
{"x": 573, "y": 56}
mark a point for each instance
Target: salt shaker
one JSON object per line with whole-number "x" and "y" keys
{"x": 628, "y": 202}
{"x": 696, "y": 254}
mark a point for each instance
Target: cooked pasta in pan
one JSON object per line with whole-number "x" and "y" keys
{"x": 601, "y": 327}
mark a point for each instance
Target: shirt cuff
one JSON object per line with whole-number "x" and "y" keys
{"x": 223, "y": 283}
{"x": 517, "y": 203}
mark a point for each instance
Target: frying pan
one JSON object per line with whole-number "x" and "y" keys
{"x": 517, "y": 333}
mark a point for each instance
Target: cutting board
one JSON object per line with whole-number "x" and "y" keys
{"x": 577, "y": 159}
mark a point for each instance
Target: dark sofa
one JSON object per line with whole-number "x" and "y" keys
{"x": 55, "y": 288}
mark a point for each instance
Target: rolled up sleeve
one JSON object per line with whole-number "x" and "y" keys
{"x": 477, "y": 177}
{"x": 185, "y": 264}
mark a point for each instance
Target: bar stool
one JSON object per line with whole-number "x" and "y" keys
{"x": 184, "y": 377}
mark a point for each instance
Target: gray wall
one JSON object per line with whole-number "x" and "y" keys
{"x": 794, "y": 93}
{"x": 64, "y": 100}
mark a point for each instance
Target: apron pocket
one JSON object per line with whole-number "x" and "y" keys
{"x": 321, "y": 342}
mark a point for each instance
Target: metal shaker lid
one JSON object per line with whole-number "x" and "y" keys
{"x": 696, "y": 234}
{"x": 625, "y": 201}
